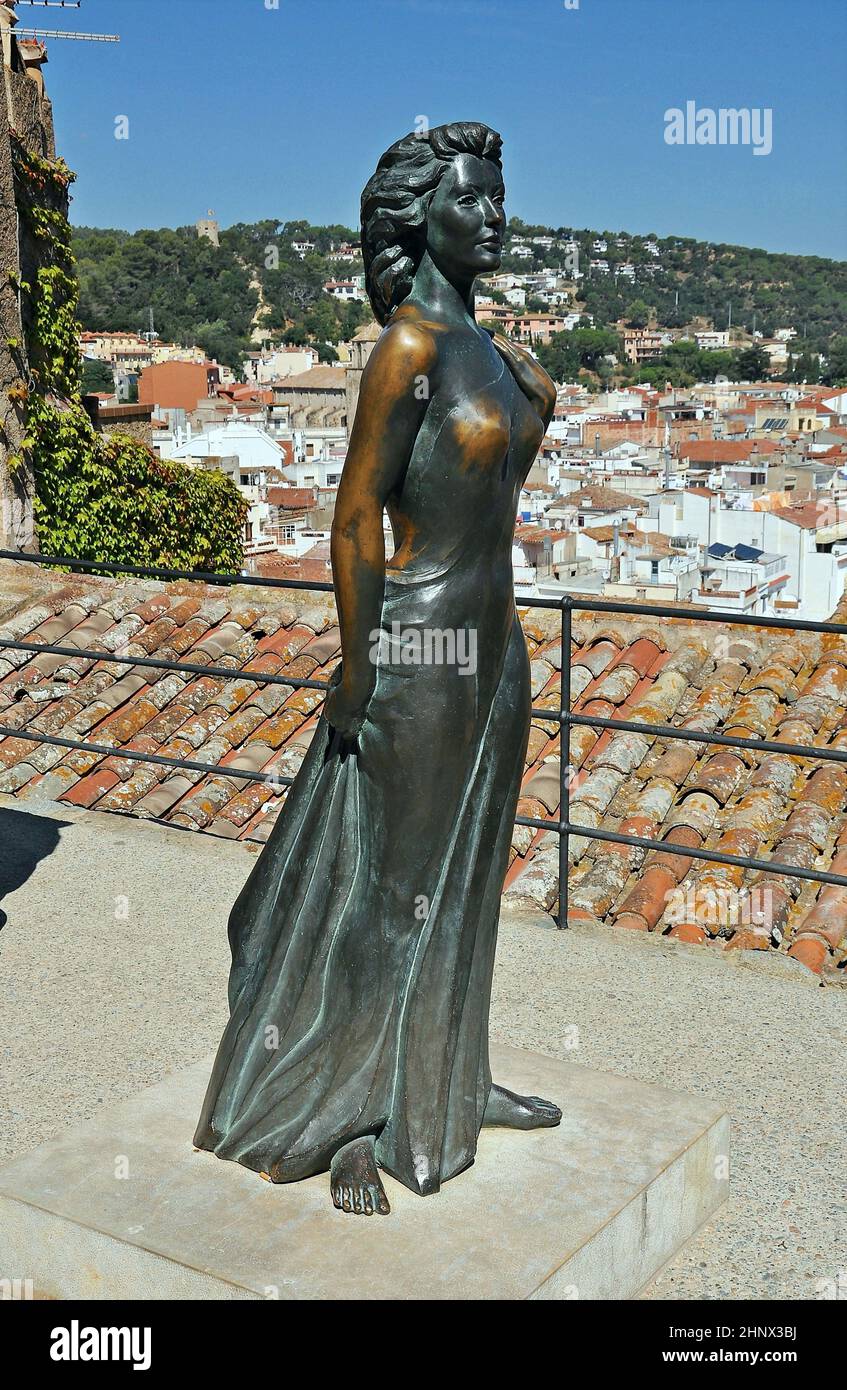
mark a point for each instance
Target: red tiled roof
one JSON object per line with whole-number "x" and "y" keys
{"x": 604, "y": 535}
{"x": 631, "y": 536}
{"x": 246, "y": 394}
{"x": 312, "y": 565}
{"x": 784, "y": 687}
{"x": 315, "y": 379}
{"x": 725, "y": 450}
{"x": 757, "y": 684}
{"x": 535, "y": 535}
{"x": 291, "y": 498}
{"x": 813, "y": 515}
{"x": 596, "y": 497}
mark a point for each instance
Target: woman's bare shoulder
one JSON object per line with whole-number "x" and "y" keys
{"x": 411, "y": 335}
{"x": 406, "y": 350}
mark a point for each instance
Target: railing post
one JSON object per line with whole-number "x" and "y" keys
{"x": 564, "y": 758}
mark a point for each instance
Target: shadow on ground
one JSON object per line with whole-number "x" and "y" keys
{"x": 25, "y": 839}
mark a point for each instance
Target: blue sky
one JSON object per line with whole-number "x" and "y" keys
{"x": 256, "y": 111}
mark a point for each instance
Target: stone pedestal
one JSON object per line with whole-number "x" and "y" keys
{"x": 123, "y": 1207}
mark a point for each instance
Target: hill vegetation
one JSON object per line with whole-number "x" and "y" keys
{"x": 210, "y": 295}
{"x": 687, "y": 279}
{"x": 216, "y": 296}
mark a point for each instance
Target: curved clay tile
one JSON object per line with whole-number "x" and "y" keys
{"x": 616, "y": 685}
{"x": 756, "y": 712}
{"x": 730, "y": 674}
{"x": 675, "y": 763}
{"x": 720, "y": 776}
{"x": 595, "y": 658}
{"x": 757, "y": 810}
{"x": 599, "y": 788}
{"x": 827, "y": 787}
{"x": 777, "y": 679}
{"x": 697, "y": 810}
{"x": 624, "y": 752}
{"x": 641, "y": 655}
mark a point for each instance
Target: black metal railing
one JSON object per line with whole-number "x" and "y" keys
{"x": 565, "y": 717}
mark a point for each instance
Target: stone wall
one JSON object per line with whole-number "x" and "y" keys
{"x": 128, "y": 419}
{"x": 25, "y": 110}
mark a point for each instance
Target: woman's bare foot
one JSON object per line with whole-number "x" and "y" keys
{"x": 519, "y": 1112}
{"x": 355, "y": 1182}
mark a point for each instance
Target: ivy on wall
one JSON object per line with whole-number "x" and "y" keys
{"x": 98, "y": 497}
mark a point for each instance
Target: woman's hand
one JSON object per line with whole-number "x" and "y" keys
{"x": 345, "y": 707}
{"x": 529, "y": 374}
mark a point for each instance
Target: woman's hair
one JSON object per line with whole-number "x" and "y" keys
{"x": 395, "y": 202}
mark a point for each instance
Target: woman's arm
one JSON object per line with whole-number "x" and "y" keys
{"x": 390, "y": 409}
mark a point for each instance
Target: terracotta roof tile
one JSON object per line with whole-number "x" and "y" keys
{"x": 681, "y": 795}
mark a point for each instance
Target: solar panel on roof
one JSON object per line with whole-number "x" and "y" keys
{"x": 718, "y": 550}
{"x": 747, "y": 552}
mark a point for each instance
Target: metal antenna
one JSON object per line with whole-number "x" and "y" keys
{"x": 63, "y": 34}
{"x": 59, "y": 33}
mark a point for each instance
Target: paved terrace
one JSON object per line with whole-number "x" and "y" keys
{"x": 747, "y": 682}
{"x": 114, "y": 961}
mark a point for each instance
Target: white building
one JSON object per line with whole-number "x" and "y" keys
{"x": 321, "y": 470}
{"x": 742, "y": 579}
{"x": 654, "y": 576}
{"x": 251, "y": 457}
{"x": 712, "y": 339}
{"x": 260, "y": 459}
{"x": 274, "y": 363}
{"x": 347, "y": 290}
{"x": 811, "y": 536}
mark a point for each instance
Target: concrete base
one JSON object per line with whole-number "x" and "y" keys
{"x": 123, "y": 1207}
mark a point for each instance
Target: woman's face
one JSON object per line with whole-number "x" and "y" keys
{"x": 466, "y": 221}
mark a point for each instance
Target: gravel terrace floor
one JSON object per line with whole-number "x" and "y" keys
{"x": 113, "y": 924}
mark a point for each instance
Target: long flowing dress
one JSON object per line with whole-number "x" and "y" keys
{"x": 363, "y": 941}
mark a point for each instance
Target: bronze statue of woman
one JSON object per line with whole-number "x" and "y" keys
{"x": 363, "y": 941}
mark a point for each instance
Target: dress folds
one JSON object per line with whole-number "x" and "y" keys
{"x": 363, "y": 940}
